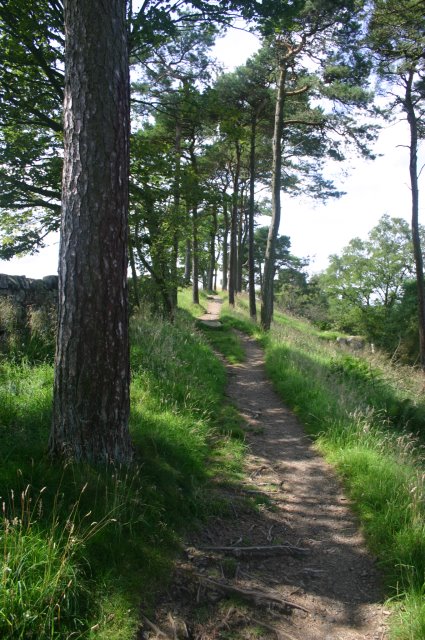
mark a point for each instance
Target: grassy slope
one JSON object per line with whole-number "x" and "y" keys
{"x": 363, "y": 414}
{"x": 82, "y": 546}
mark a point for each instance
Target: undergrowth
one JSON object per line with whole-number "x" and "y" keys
{"x": 367, "y": 416}
{"x": 83, "y": 548}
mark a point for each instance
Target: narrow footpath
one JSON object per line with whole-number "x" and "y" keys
{"x": 294, "y": 568}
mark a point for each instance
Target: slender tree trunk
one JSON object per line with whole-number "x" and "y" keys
{"x": 240, "y": 257}
{"x": 188, "y": 262}
{"x": 269, "y": 263}
{"x": 251, "y": 216}
{"x": 176, "y": 212}
{"x": 417, "y": 250}
{"x": 133, "y": 273}
{"x": 260, "y": 268}
{"x": 91, "y": 389}
{"x": 225, "y": 245}
{"x": 195, "y": 256}
{"x": 155, "y": 271}
{"x": 213, "y": 235}
{"x": 234, "y": 227}
{"x": 195, "y": 240}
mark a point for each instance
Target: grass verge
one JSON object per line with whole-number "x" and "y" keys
{"x": 82, "y": 548}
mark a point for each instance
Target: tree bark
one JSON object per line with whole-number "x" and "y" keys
{"x": 269, "y": 263}
{"x": 417, "y": 250}
{"x": 176, "y": 212}
{"x": 91, "y": 389}
{"x": 188, "y": 262}
{"x": 225, "y": 244}
{"x": 195, "y": 238}
{"x": 133, "y": 274}
{"x": 251, "y": 216}
{"x": 234, "y": 227}
{"x": 195, "y": 256}
{"x": 241, "y": 243}
{"x": 213, "y": 235}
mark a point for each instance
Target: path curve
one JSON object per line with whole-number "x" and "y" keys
{"x": 335, "y": 582}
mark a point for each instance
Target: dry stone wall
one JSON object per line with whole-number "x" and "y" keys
{"x": 20, "y": 297}
{"x": 29, "y": 291}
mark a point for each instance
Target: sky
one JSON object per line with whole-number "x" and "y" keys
{"x": 373, "y": 188}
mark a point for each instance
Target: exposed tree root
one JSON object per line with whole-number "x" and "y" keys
{"x": 255, "y": 596}
{"x": 266, "y": 550}
{"x": 279, "y": 634}
{"x": 156, "y": 629}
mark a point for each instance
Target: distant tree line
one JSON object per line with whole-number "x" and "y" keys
{"x": 164, "y": 174}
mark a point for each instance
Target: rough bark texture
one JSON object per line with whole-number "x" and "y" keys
{"x": 91, "y": 394}
{"x": 269, "y": 263}
{"x": 417, "y": 250}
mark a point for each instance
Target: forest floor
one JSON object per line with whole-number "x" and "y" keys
{"x": 293, "y": 567}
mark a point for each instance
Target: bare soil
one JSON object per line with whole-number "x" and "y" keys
{"x": 296, "y": 566}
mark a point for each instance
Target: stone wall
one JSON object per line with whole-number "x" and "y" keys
{"x": 22, "y": 297}
{"x": 28, "y": 291}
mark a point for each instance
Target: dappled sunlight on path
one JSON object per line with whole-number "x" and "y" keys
{"x": 290, "y": 562}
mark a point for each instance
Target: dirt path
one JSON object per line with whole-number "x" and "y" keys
{"x": 318, "y": 582}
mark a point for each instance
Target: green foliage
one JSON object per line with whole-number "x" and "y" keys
{"x": 365, "y": 287}
{"x": 31, "y": 83}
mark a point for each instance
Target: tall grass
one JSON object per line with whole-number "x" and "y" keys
{"x": 82, "y": 548}
{"x": 367, "y": 416}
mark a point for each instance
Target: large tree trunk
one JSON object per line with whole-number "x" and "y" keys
{"x": 251, "y": 216}
{"x": 91, "y": 390}
{"x": 234, "y": 227}
{"x": 269, "y": 263}
{"x": 417, "y": 250}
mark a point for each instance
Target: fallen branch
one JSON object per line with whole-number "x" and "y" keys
{"x": 259, "y": 598}
{"x": 267, "y": 550}
{"x": 157, "y": 630}
{"x": 279, "y": 634}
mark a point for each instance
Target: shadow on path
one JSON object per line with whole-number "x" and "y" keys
{"x": 320, "y": 566}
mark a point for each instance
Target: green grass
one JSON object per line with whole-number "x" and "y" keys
{"x": 225, "y": 341}
{"x": 82, "y": 548}
{"x": 367, "y": 417}
{"x": 185, "y": 302}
